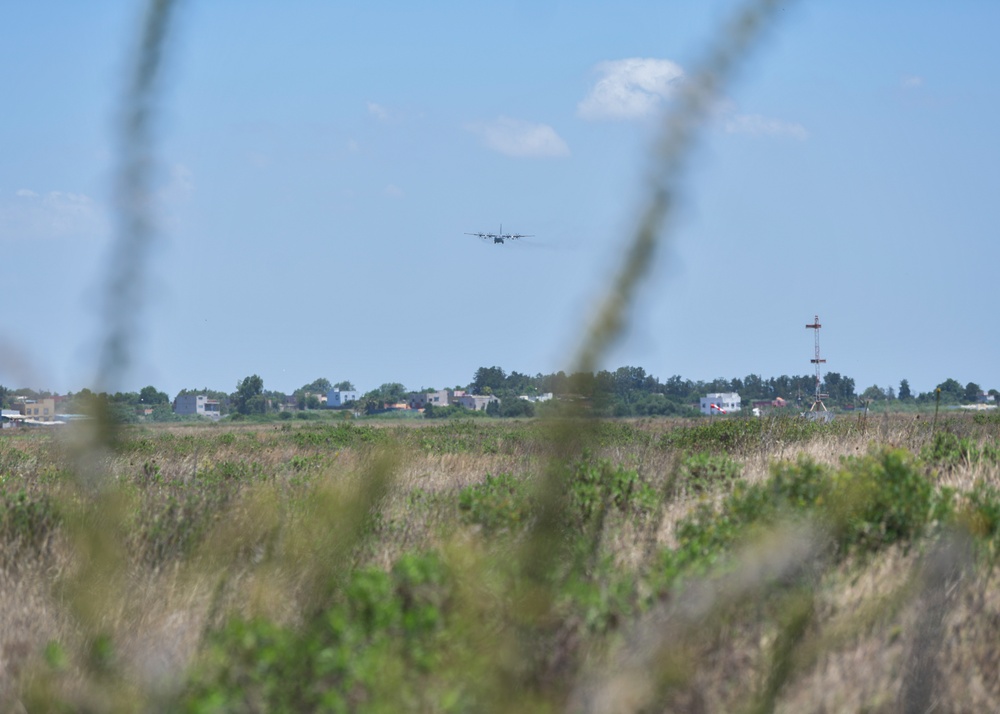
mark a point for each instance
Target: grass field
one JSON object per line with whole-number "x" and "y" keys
{"x": 736, "y": 565}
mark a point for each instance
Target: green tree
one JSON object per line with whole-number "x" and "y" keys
{"x": 972, "y": 392}
{"x": 873, "y": 392}
{"x": 388, "y": 393}
{"x": 755, "y": 388}
{"x": 318, "y": 386}
{"x": 839, "y": 387}
{"x": 679, "y": 388}
{"x": 514, "y": 407}
{"x": 163, "y": 413}
{"x": 344, "y": 386}
{"x": 126, "y": 399}
{"x": 492, "y": 377}
{"x": 148, "y": 396}
{"x": 518, "y": 383}
{"x": 904, "y": 390}
{"x": 660, "y": 405}
{"x": 951, "y": 391}
{"x": 628, "y": 380}
{"x": 249, "y": 396}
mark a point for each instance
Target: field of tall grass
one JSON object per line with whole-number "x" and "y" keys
{"x": 731, "y": 565}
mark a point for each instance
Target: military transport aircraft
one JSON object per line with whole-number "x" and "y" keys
{"x": 501, "y": 236}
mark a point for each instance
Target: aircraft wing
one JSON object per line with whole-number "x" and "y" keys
{"x": 482, "y": 235}
{"x": 521, "y": 235}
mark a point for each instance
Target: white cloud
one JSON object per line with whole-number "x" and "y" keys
{"x": 30, "y": 216}
{"x": 912, "y": 82}
{"x": 630, "y": 88}
{"x": 638, "y": 87}
{"x": 393, "y": 191}
{"x": 757, "y": 125}
{"x": 515, "y": 137}
{"x": 378, "y": 111}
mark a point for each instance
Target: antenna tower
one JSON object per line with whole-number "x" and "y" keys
{"x": 817, "y": 360}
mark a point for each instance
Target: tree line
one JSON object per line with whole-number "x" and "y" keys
{"x": 626, "y": 391}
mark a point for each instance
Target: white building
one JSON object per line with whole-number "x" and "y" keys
{"x": 10, "y": 417}
{"x": 720, "y": 402}
{"x": 476, "y": 402}
{"x": 337, "y": 398}
{"x": 536, "y": 397}
{"x": 190, "y": 404}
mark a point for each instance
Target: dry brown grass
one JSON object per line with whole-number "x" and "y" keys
{"x": 707, "y": 647}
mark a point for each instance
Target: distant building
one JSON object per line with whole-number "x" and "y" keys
{"x": 476, "y": 402}
{"x": 720, "y": 402}
{"x": 9, "y": 417}
{"x": 336, "y": 398}
{"x": 197, "y": 404}
{"x": 536, "y": 397}
{"x": 766, "y": 404}
{"x": 38, "y": 409}
{"x": 419, "y": 400}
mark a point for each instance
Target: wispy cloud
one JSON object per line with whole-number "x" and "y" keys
{"x": 912, "y": 81}
{"x": 29, "y": 215}
{"x": 378, "y": 111}
{"x": 393, "y": 191}
{"x": 757, "y": 125}
{"x": 515, "y": 137}
{"x": 630, "y": 88}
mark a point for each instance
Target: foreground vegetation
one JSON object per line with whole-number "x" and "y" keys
{"x": 737, "y": 565}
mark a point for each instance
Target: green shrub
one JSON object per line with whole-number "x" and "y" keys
{"x": 374, "y": 648}
{"x": 173, "y": 526}
{"x": 594, "y": 488}
{"x": 703, "y": 471}
{"x": 339, "y": 436}
{"x": 498, "y": 503}
{"x": 463, "y": 436}
{"x": 869, "y": 502}
{"x": 948, "y": 450}
{"x": 739, "y": 435}
{"x": 26, "y": 522}
{"x": 981, "y": 515}
{"x": 881, "y": 499}
{"x": 13, "y": 460}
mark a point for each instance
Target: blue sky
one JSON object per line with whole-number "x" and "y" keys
{"x": 319, "y": 165}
